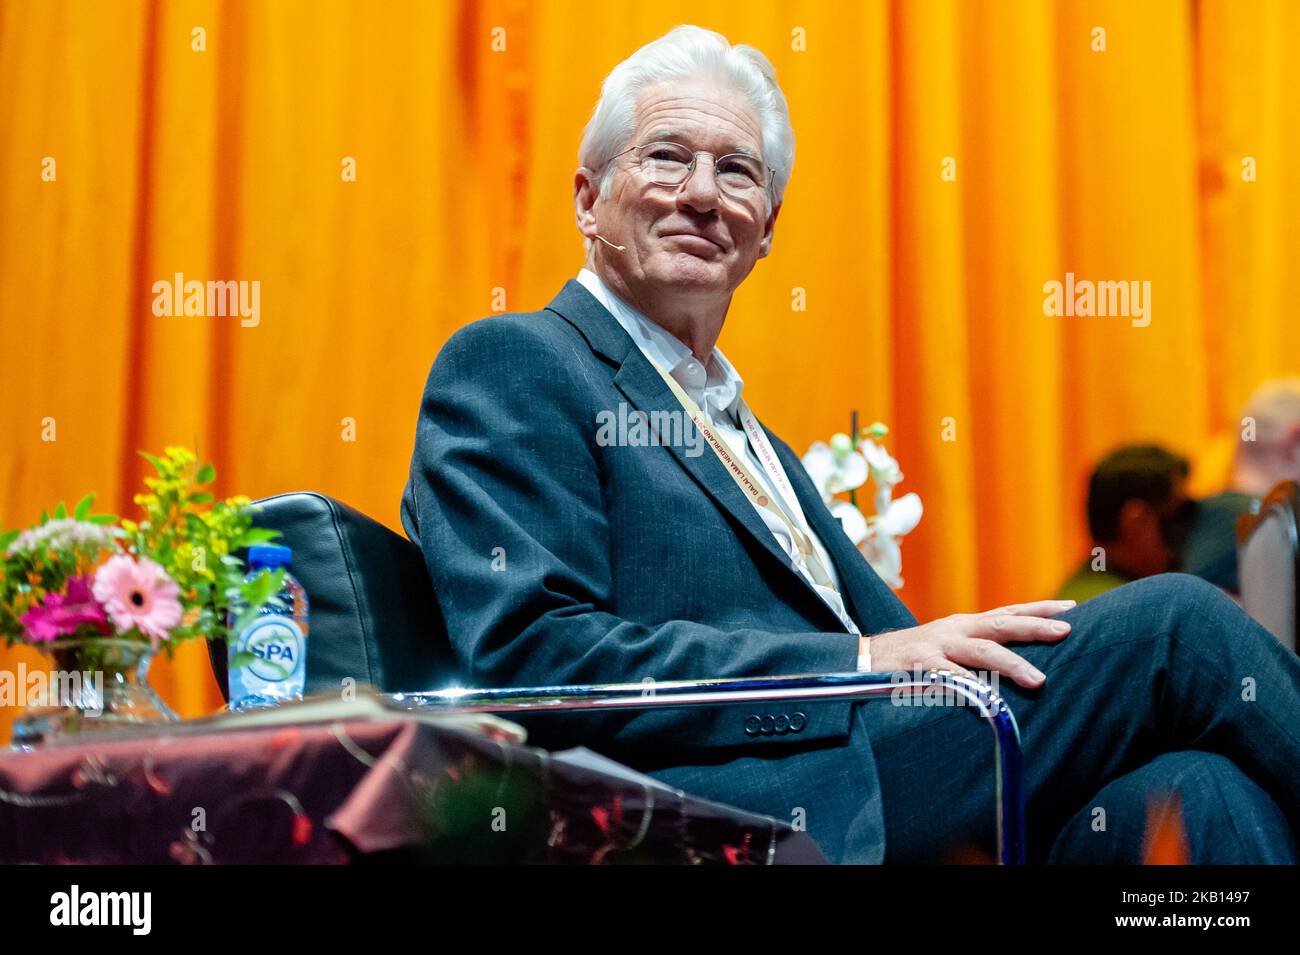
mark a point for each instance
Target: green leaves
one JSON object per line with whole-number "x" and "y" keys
{"x": 256, "y": 593}
{"x": 258, "y": 535}
{"x": 80, "y": 512}
{"x": 155, "y": 461}
{"x": 241, "y": 659}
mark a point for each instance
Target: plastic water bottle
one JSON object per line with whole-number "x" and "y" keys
{"x": 274, "y": 644}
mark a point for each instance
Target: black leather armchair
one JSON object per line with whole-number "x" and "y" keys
{"x": 374, "y": 619}
{"x": 373, "y": 615}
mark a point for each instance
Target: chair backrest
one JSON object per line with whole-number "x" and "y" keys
{"x": 1268, "y": 559}
{"x": 373, "y": 613}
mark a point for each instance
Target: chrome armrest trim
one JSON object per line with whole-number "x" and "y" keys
{"x": 1008, "y": 763}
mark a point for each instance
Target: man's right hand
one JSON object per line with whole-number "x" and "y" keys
{"x": 973, "y": 641}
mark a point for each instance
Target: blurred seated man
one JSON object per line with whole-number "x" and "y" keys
{"x": 1267, "y": 453}
{"x": 1268, "y": 450}
{"x": 1138, "y": 516}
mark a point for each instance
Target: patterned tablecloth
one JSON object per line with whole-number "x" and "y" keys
{"x": 391, "y": 789}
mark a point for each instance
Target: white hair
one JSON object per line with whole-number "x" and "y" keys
{"x": 683, "y": 53}
{"x": 1275, "y": 409}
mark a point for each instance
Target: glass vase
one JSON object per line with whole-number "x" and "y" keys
{"x": 94, "y": 684}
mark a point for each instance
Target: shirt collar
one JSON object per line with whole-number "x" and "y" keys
{"x": 714, "y": 388}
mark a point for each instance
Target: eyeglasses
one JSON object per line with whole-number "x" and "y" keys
{"x": 741, "y": 177}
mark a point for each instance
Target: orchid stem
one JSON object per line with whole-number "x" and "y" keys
{"x": 853, "y": 446}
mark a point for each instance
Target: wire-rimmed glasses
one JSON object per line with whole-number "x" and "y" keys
{"x": 740, "y": 176}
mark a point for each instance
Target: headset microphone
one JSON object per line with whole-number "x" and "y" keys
{"x": 620, "y": 248}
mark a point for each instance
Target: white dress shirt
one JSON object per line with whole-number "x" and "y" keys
{"x": 716, "y": 389}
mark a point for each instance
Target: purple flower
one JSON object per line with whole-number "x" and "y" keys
{"x": 61, "y": 614}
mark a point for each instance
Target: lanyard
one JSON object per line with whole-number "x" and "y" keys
{"x": 752, "y": 489}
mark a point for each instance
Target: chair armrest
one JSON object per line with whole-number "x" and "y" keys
{"x": 979, "y": 696}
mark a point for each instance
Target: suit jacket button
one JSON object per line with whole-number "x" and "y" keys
{"x": 797, "y": 722}
{"x": 782, "y": 723}
{"x": 769, "y": 724}
{"x": 752, "y": 725}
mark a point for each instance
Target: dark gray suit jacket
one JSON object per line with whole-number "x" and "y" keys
{"x": 559, "y": 559}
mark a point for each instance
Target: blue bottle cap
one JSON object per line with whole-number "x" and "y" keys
{"x": 269, "y": 556}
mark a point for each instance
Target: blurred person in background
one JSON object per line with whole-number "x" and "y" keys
{"x": 1138, "y": 515}
{"x": 1266, "y": 453}
{"x": 1268, "y": 449}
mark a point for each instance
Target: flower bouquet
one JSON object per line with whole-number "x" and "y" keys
{"x": 843, "y": 466}
{"x": 101, "y": 596}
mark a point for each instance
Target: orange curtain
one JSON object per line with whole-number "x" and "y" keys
{"x": 952, "y": 158}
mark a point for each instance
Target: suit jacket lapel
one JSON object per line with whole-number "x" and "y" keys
{"x": 637, "y": 379}
{"x": 644, "y": 388}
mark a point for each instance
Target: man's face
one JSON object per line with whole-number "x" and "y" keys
{"x": 689, "y": 241}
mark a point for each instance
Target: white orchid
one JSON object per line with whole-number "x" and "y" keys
{"x": 881, "y": 548}
{"x": 884, "y": 469}
{"x": 835, "y": 467}
{"x": 900, "y": 517}
{"x": 851, "y": 519}
{"x": 840, "y": 467}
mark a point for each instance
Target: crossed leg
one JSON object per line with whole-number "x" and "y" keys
{"x": 1164, "y": 665}
{"x": 1227, "y": 818}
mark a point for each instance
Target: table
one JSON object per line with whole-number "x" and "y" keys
{"x": 394, "y": 789}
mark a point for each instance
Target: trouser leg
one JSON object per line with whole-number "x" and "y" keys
{"x": 1226, "y": 818}
{"x": 1160, "y": 665}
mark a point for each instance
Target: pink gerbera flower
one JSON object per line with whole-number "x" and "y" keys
{"x": 138, "y": 594}
{"x": 61, "y": 614}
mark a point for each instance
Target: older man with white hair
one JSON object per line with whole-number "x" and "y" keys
{"x": 1268, "y": 447}
{"x": 565, "y": 551}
